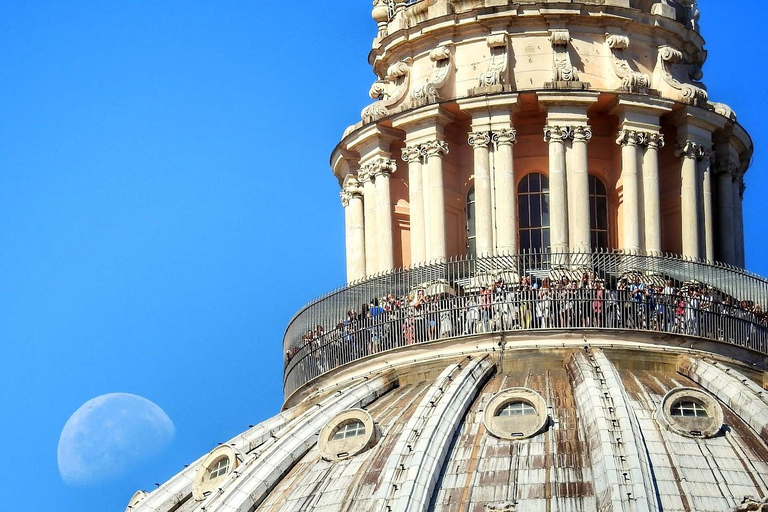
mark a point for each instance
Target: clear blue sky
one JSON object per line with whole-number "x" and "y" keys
{"x": 166, "y": 206}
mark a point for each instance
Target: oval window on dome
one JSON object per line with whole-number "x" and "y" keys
{"x": 354, "y": 428}
{"x": 347, "y": 434}
{"x": 516, "y": 413}
{"x": 691, "y": 412}
{"x": 216, "y": 466}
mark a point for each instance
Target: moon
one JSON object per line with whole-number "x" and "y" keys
{"x": 110, "y": 434}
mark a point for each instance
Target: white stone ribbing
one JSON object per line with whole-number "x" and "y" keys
{"x": 411, "y": 472}
{"x": 264, "y": 468}
{"x": 181, "y": 484}
{"x": 621, "y": 469}
{"x": 741, "y": 394}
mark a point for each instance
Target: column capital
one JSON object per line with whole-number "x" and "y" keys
{"x": 689, "y": 149}
{"x": 708, "y": 155}
{"x": 653, "y": 140}
{"x": 379, "y": 166}
{"x": 630, "y": 138}
{"x": 557, "y": 133}
{"x": 479, "y": 139}
{"x": 581, "y": 133}
{"x": 435, "y": 148}
{"x": 725, "y": 168}
{"x": 504, "y": 137}
{"x": 411, "y": 153}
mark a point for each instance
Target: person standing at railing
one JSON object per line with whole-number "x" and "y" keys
{"x": 583, "y": 302}
{"x": 598, "y": 296}
{"x": 544, "y": 305}
{"x": 669, "y": 293}
{"x": 638, "y": 292}
{"x": 485, "y": 308}
{"x": 472, "y": 315}
{"x": 417, "y": 307}
{"x": 446, "y": 306}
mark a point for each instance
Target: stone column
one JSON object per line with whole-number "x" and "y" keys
{"x": 558, "y": 193}
{"x": 352, "y": 200}
{"x": 438, "y": 247}
{"x": 738, "y": 217}
{"x": 483, "y": 193}
{"x": 726, "y": 231}
{"x": 412, "y": 156}
{"x": 578, "y": 207}
{"x": 628, "y": 139}
{"x": 369, "y": 203}
{"x": 652, "y": 193}
{"x": 690, "y": 152}
{"x": 506, "y": 195}
{"x": 382, "y": 168}
{"x": 705, "y": 172}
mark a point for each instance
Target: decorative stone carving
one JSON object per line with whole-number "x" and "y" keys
{"x": 630, "y": 138}
{"x": 412, "y": 153}
{"x": 557, "y": 133}
{"x": 631, "y": 81}
{"x": 692, "y": 15}
{"x": 581, "y": 133}
{"x": 689, "y": 149}
{"x": 563, "y": 69}
{"x": 379, "y": 166}
{"x": 654, "y": 140}
{"x": 443, "y": 64}
{"x": 505, "y": 137}
{"x": 380, "y": 15}
{"x": 497, "y": 68}
{"x": 689, "y": 93}
{"x": 479, "y": 139}
{"x": 724, "y": 110}
{"x": 435, "y": 148}
{"x": 389, "y": 91}
{"x": 350, "y": 189}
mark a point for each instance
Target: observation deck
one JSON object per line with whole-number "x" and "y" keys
{"x": 703, "y": 304}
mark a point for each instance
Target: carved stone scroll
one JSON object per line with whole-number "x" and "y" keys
{"x": 497, "y": 68}
{"x": 389, "y": 91}
{"x": 724, "y": 110}
{"x": 563, "y": 69}
{"x": 689, "y": 93}
{"x": 443, "y": 64}
{"x": 631, "y": 81}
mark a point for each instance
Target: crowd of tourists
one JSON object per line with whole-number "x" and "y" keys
{"x": 628, "y": 302}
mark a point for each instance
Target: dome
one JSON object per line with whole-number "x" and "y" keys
{"x": 564, "y": 324}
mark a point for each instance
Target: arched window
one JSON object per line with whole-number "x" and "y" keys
{"x": 533, "y": 212}
{"x": 598, "y": 213}
{"x": 516, "y": 409}
{"x": 471, "y": 231}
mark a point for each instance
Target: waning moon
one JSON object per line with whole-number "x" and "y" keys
{"x": 108, "y": 435}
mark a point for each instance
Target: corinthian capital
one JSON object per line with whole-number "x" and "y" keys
{"x": 504, "y": 137}
{"x": 345, "y": 198}
{"x": 582, "y": 133}
{"x": 557, "y": 133}
{"x": 654, "y": 140}
{"x": 479, "y": 139}
{"x": 380, "y": 166}
{"x": 630, "y": 138}
{"x": 411, "y": 153}
{"x": 435, "y": 148}
{"x": 689, "y": 149}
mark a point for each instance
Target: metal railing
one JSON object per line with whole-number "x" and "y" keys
{"x": 394, "y": 5}
{"x": 323, "y": 335}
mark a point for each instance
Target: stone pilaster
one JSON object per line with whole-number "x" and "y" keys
{"x": 413, "y": 157}
{"x": 651, "y": 192}
{"x": 630, "y": 180}
{"x": 438, "y": 246}
{"x": 690, "y": 153}
{"x": 352, "y": 200}
{"x": 556, "y": 136}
